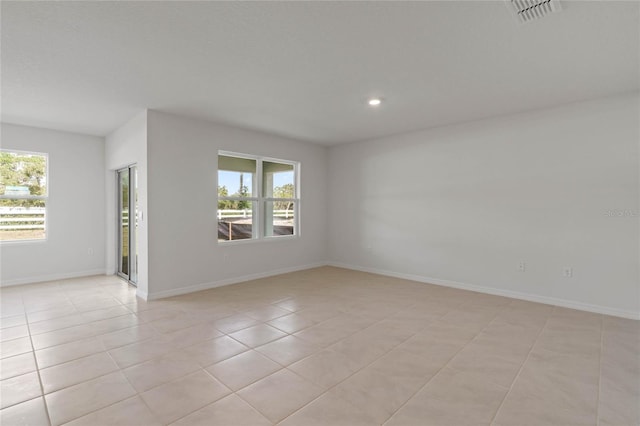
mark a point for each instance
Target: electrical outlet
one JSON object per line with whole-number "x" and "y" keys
{"x": 522, "y": 266}
{"x": 567, "y": 272}
{"x": 90, "y": 252}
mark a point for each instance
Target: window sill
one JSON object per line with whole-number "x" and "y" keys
{"x": 258, "y": 240}
{"x": 19, "y": 242}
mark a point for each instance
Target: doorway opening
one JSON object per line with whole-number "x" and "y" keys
{"x": 128, "y": 223}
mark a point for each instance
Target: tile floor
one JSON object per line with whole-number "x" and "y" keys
{"x": 325, "y": 346}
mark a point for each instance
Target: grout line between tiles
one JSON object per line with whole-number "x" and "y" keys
{"x": 442, "y": 368}
{"x": 600, "y": 370}
{"x": 495, "y": 415}
{"x": 35, "y": 360}
{"x": 349, "y": 376}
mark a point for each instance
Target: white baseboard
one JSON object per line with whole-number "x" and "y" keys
{"x": 498, "y": 292}
{"x": 228, "y": 281}
{"x": 52, "y": 277}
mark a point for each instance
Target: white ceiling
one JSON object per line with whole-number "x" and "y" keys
{"x": 305, "y": 69}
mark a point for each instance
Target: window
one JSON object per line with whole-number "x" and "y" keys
{"x": 23, "y": 195}
{"x": 257, "y": 197}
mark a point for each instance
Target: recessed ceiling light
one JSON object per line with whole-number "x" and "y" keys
{"x": 375, "y": 101}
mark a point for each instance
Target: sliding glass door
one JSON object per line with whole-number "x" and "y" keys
{"x": 127, "y": 223}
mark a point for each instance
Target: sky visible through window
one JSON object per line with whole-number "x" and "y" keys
{"x": 232, "y": 180}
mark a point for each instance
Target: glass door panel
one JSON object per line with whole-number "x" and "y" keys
{"x": 123, "y": 222}
{"x": 127, "y": 224}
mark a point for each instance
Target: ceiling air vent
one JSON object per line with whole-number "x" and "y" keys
{"x": 530, "y": 10}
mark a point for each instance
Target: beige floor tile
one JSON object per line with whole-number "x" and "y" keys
{"x": 17, "y": 365}
{"x": 287, "y": 350}
{"x": 110, "y": 325}
{"x": 370, "y": 344}
{"x": 293, "y": 392}
{"x": 77, "y": 371}
{"x": 176, "y": 399}
{"x": 498, "y": 367}
{"x": 584, "y": 368}
{"x": 11, "y": 309}
{"x": 618, "y": 407}
{"x": 551, "y": 392}
{"x": 55, "y": 355}
{"x": 158, "y": 371}
{"x": 56, "y": 323}
{"x": 13, "y": 321}
{"x": 79, "y": 400}
{"x": 321, "y": 336}
{"x": 15, "y": 347}
{"x": 291, "y": 323}
{"x": 329, "y": 410}
{"x": 267, "y": 313}
{"x": 65, "y": 335}
{"x": 570, "y": 342}
{"x": 191, "y": 335}
{"x": 136, "y": 353}
{"x": 468, "y": 319}
{"x": 424, "y": 312}
{"x": 452, "y": 398}
{"x": 19, "y": 389}
{"x": 11, "y": 333}
{"x": 57, "y": 312}
{"x": 128, "y": 336}
{"x": 325, "y": 368}
{"x": 243, "y": 369}
{"x": 234, "y": 323}
{"x": 209, "y": 310}
{"x": 290, "y": 304}
{"x": 436, "y": 346}
{"x": 229, "y": 411}
{"x": 157, "y": 314}
{"x": 132, "y": 411}
{"x": 388, "y": 337}
{"x": 177, "y": 322}
{"x": 28, "y": 413}
{"x": 621, "y": 348}
{"x": 257, "y": 335}
{"x": 399, "y": 365}
{"x": 87, "y": 306}
{"x": 106, "y": 313}
{"x": 386, "y": 385}
{"x": 619, "y": 392}
{"x": 50, "y": 303}
{"x": 318, "y": 314}
{"x": 214, "y": 350}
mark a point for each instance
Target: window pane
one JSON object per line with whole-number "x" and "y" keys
{"x": 236, "y": 223}
{"x": 279, "y": 218}
{"x": 236, "y": 177}
{"x": 22, "y": 220}
{"x": 278, "y": 180}
{"x": 23, "y": 174}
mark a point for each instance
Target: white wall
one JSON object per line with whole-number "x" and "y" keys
{"x": 125, "y": 146}
{"x": 184, "y": 254}
{"x": 75, "y": 208}
{"x": 463, "y": 205}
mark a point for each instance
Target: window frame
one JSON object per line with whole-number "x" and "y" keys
{"x": 44, "y": 197}
{"x": 260, "y": 202}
